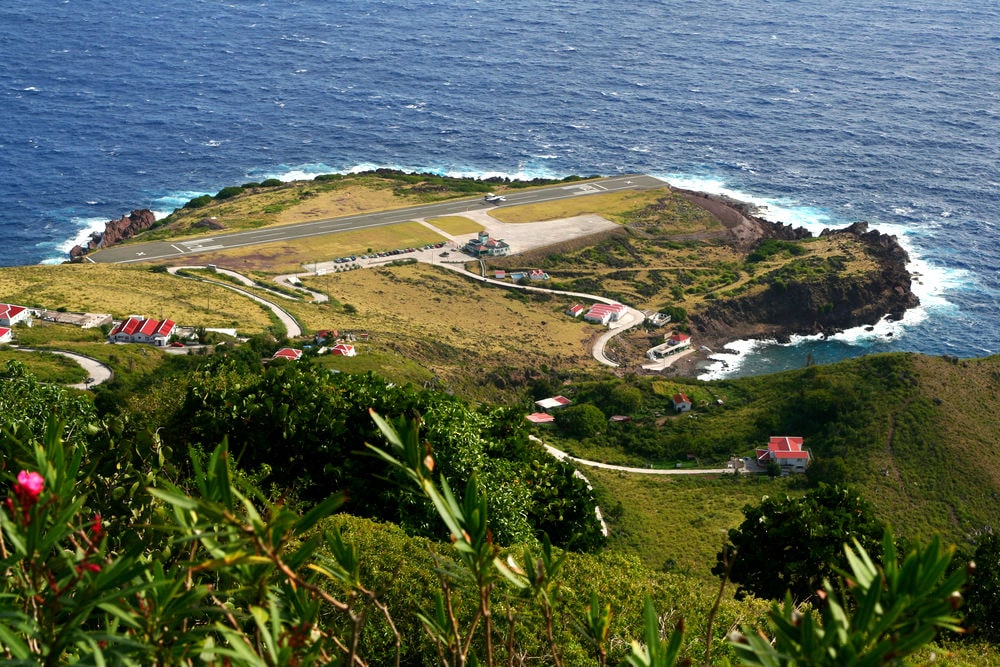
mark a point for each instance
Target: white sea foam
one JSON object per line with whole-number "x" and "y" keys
{"x": 731, "y": 358}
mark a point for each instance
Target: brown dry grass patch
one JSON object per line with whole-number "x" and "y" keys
{"x": 294, "y": 256}
{"x": 131, "y": 290}
{"x": 456, "y": 224}
{"x": 453, "y": 325}
{"x": 343, "y": 201}
{"x": 613, "y": 206}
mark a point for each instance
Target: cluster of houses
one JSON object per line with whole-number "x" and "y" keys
{"x": 545, "y": 407}
{"x": 9, "y": 316}
{"x": 294, "y": 354}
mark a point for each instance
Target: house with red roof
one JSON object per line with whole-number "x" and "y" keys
{"x": 575, "y": 310}
{"x": 552, "y": 403}
{"x": 605, "y": 313}
{"x": 11, "y": 315}
{"x": 787, "y": 451}
{"x": 137, "y": 329}
{"x": 681, "y": 402}
{"x": 344, "y": 350}
{"x": 500, "y": 274}
{"x": 6, "y": 335}
{"x": 288, "y": 353}
{"x": 679, "y": 340}
{"x": 540, "y": 418}
{"x": 537, "y": 274}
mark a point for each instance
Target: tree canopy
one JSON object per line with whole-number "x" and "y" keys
{"x": 793, "y": 543}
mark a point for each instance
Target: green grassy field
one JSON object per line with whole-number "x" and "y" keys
{"x": 45, "y": 366}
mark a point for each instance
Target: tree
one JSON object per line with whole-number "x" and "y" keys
{"x": 581, "y": 421}
{"x": 983, "y": 593}
{"x": 626, "y": 399}
{"x": 793, "y": 544}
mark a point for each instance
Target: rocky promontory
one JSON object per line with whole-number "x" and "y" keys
{"x": 817, "y": 295}
{"x": 116, "y": 231}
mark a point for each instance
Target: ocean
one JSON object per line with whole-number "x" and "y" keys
{"x": 820, "y": 112}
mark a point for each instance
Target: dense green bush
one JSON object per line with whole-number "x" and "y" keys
{"x": 199, "y": 202}
{"x": 299, "y": 427}
{"x": 790, "y": 545}
{"x": 229, "y": 192}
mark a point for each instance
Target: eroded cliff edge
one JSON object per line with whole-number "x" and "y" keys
{"x": 814, "y": 296}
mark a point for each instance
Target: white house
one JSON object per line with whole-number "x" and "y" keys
{"x": 344, "y": 350}
{"x": 137, "y": 329}
{"x": 11, "y": 315}
{"x": 5, "y": 335}
{"x": 603, "y": 313}
{"x": 787, "y": 451}
{"x": 547, "y": 404}
{"x": 681, "y": 402}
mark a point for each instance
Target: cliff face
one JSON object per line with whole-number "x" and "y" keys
{"x": 825, "y": 303}
{"x": 116, "y": 231}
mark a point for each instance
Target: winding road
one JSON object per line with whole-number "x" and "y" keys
{"x": 97, "y": 371}
{"x": 292, "y": 328}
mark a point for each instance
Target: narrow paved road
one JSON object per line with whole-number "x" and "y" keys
{"x": 292, "y": 328}
{"x": 563, "y": 456}
{"x": 631, "y": 319}
{"x": 97, "y": 372}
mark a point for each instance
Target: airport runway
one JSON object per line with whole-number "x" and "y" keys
{"x": 159, "y": 250}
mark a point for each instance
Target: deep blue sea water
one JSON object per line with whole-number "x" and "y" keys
{"x": 826, "y": 112}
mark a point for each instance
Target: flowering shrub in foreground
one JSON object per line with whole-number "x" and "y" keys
{"x": 250, "y": 582}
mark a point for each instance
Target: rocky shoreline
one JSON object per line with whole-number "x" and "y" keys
{"x": 116, "y": 231}
{"x": 824, "y": 307}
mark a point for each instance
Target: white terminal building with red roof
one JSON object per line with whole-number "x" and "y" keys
{"x": 137, "y": 329}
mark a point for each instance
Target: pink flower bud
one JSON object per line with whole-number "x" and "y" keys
{"x": 28, "y": 487}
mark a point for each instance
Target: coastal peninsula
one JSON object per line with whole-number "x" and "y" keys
{"x": 720, "y": 270}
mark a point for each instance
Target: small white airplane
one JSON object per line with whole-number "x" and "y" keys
{"x": 490, "y": 197}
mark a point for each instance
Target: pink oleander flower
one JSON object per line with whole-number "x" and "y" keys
{"x": 28, "y": 487}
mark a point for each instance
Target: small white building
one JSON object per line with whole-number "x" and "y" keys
{"x": 681, "y": 402}
{"x": 604, "y": 313}
{"x": 6, "y": 335}
{"x": 11, "y": 315}
{"x": 548, "y": 404}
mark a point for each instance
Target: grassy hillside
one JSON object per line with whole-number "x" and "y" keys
{"x": 915, "y": 434}
{"x": 126, "y": 290}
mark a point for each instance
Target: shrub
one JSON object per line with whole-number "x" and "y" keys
{"x": 199, "y": 202}
{"x": 229, "y": 192}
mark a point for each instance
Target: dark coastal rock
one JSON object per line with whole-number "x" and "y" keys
{"x": 116, "y": 231}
